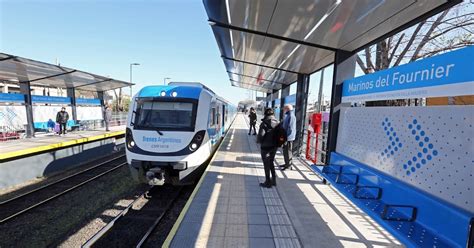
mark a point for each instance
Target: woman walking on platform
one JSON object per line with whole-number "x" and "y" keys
{"x": 253, "y": 120}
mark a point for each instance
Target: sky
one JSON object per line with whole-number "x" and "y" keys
{"x": 169, "y": 38}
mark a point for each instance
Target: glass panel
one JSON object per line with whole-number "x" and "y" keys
{"x": 165, "y": 115}
{"x": 49, "y": 75}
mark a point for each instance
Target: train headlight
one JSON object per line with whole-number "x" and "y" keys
{"x": 197, "y": 141}
{"x": 163, "y": 93}
{"x": 174, "y": 94}
{"x": 129, "y": 139}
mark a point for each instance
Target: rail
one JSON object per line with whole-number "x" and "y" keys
{"x": 16, "y": 206}
{"x": 155, "y": 199}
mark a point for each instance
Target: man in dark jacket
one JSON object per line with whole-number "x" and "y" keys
{"x": 253, "y": 121}
{"x": 61, "y": 118}
{"x": 268, "y": 147}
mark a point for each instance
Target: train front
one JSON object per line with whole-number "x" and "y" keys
{"x": 166, "y": 137}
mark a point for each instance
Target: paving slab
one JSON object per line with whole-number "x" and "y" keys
{"x": 300, "y": 212}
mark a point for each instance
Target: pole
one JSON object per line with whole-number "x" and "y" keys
{"x": 344, "y": 68}
{"x": 302, "y": 86}
{"x": 320, "y": 93}
{"x": 131, "y": 81}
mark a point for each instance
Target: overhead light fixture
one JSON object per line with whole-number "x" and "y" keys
{"x": 323, "y": 19}
{"x": 228, "y": 11}
{"x": 312, "y": 30}
{"x": 380, "y": 2}
{"x": 229, "y": 20}
{"x": 289, "y": 55}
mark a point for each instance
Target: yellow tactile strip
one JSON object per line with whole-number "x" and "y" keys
{"x": 28, "y": 151}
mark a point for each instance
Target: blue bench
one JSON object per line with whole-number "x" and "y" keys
{"x": 75, "y": 125}
{"x": 414, "y": 217}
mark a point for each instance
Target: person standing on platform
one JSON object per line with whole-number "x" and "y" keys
{"x": 107, "y": 116}
{"x": 253, "y": 120}
{"x": 51, "y": 124}
{"x": 61, "y": 118}
{"x": 289, "y": 124}
{"x": 268, "y": 146}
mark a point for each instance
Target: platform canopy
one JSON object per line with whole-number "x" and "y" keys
{"x": 16, "y": 70}
{"x": 266, "y": 43}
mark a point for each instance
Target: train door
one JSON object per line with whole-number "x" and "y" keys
{"x": 223, "y": 118}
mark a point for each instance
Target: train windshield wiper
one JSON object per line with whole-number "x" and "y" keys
{"x": 158, "y": 131}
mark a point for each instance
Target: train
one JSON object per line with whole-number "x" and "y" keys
{"x": 172, "y": 130}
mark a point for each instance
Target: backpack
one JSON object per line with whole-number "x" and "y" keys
{"x": 278, "y": 134}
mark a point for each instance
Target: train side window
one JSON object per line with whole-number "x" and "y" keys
{"x": 213, "y": 116}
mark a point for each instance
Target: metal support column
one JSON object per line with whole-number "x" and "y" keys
{"x": 302, "y": 86}
{"x": 101, "y": 95}
{"x": 26, "y": 90}
{"x": 344, "y": 68}
{"x": 71, "y": 92}
{"x": 285, "y": 91}
{"x": 268, "y": 100}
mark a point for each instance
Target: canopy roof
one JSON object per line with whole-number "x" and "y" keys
{"x": 265, "y": 44}
{"x": 16, "y": 69}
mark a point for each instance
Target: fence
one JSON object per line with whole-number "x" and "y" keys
{"x": 316, "y": 150}
{"x": 13, "y": 132}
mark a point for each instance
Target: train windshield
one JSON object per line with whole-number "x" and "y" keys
{"x": 165, "y": 116}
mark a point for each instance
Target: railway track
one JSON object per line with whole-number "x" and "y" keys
{"x": 136, "y": 223}
{"x": 21, "y": 204}
{"x": 140, "y": 222}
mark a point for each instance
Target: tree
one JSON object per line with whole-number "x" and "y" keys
{"x": 446, "y": 31}
{"x": 118, "y": 102}
{"x": 123, "y": 106}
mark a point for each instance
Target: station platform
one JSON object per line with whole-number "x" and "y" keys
{"x": 229, "y": 209}
{"x": 25, "y": 161}
{"x": 24, "y": 147}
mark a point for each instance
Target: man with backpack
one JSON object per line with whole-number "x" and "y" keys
{"x": 270, "y": 137}
{"x": 253, "y": 120}
{"x": 289, "y": 124}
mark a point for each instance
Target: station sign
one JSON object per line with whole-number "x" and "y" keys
{"x": 88, "y": 101}
{"x": 449, "y": 74}
{"x": 51, "y": 99}
{"x": 12, "y": 97}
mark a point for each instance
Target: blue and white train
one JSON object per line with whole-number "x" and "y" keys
{"x": 172, "y": 130}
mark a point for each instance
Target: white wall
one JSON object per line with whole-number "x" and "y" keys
{"x": 444, "y": 165}
{"x": 13, "y": 117}
{"x": 85, "y": 113}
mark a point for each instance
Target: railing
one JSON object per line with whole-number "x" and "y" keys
{"x": 118, "y": 119}
{"x": 321, "y": 148}
{"x": 12, "y": 133}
